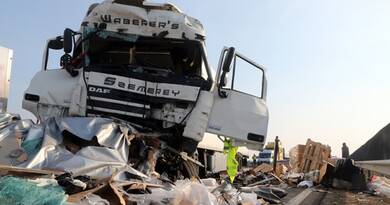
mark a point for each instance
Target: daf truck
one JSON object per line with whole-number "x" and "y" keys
{"x": 146, "y": 64}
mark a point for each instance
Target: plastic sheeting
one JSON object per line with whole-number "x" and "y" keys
{"x": 192, "y": 193}
{"x": 99, "y": 162}
{"x": 44, "y": 144}
{"x": 104, "y": 156}
{"x": 380, "y": 186}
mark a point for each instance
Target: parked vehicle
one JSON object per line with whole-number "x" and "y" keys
{"x": 5, "y": 76}
{"x": 267, "y": 155}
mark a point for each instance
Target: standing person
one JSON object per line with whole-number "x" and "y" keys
{"x": 254, "y": 160}
{"x": 276, "y": 152}
{"x": 345, "y": 151}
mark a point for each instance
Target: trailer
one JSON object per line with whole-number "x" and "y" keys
{"x": 5, "y": 75}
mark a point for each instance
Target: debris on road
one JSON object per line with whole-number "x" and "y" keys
{"x": 314, "y": 160}
{"x": 103, "y": 161}
{"x": 100, "y": 160}
{"x": 263, "y": 168}
{"x": 305, "y": 184}
{"x": 296, "y": 155}
{"x": 91, "y": 172}
{"x": 380, "y": 186}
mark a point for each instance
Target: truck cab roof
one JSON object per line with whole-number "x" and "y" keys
{"x": 148, "y": 19}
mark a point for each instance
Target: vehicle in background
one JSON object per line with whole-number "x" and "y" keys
{"x": 5, "y": 76}
{"x": 267, "y": 154}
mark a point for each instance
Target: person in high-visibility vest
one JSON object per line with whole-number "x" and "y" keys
{"x": 231, "y": 161}
{"x": 254, "y": 160}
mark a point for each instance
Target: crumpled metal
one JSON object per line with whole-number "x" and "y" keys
{"x": 96, "y": 161}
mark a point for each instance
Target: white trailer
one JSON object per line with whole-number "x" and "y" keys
{"x": 5, "y": 76}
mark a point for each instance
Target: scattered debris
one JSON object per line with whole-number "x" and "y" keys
{"x": 281, "y": 169}
{"x": 296, "y": 155}
{"x": 380, "y": 186}
{"x": 97, "y": 160}
{"x": 263, "y": 168}
{"x": 305, "y": 184}
{"x": 294, "y": 178}
{"x": 108, "y": 162}
{"x": 315, "y": 158}
{"x": 345, "y": 175}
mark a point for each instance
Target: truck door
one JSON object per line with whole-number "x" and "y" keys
{"x": 239, "y": 111}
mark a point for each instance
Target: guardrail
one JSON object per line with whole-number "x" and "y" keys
{"x": 381, "y": 166}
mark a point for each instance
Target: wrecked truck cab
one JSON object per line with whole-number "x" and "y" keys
{"x": 147, "y": 65}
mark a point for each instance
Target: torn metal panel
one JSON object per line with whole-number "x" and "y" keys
{"x": 199, "y": 117}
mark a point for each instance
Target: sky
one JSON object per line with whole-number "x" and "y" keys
{"x": 327, "y": 61}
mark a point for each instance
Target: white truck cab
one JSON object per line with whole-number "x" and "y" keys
{"x": 147, "y": 64}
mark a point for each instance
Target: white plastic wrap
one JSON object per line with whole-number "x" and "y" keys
{"x": 380, "y": 185}
{"x": 192, "y": 193}
{"x": 98, "y": 162}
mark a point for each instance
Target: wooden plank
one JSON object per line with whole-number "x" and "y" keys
{"x": 21, "y": 171}
{"x": 276, "y": 177}
{"x": 316, "y": 157}
{"x": 264, "y": 168}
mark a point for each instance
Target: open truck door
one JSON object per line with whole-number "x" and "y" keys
{"x": 240, "y": 111}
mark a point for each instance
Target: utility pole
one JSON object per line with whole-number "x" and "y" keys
{"x": 276, "y": 152}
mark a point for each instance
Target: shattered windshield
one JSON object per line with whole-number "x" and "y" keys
{"x": 159, "y": 56}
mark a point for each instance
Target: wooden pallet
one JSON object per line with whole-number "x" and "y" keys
{"x": 315, "y": 157}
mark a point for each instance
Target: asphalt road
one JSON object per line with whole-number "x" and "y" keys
{"x": 321, "y": 196}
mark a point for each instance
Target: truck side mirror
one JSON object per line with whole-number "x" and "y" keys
{"x": 228, "y": 60}
{"x": 225, "y": 69}
{"x": 68, "y": 40}
{"x": 56, "y": 44}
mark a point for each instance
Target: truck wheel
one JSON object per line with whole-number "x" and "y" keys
{"x": 190, "y": 169}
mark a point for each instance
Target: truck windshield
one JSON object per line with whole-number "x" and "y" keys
{"x": 164, "y": 56}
